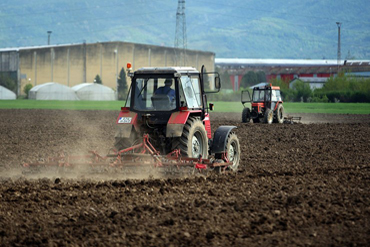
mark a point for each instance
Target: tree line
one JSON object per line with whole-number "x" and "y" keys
{"x": 342, "y": 88}
{"x": 345, "y": 88}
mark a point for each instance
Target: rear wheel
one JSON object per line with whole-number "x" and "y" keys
{"x": 246, "y": 115}
{"x": 269, "y": 116}
{"x": 194, "y": 141}
{"x": 280, "y": 114}
{"x": 233, "y": 151}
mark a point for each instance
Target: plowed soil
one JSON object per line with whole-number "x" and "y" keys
{"x": 298, "y": 185}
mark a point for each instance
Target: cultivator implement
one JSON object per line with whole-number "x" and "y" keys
{"x": 142, "y": 155}
{"x": 292, "y": 119}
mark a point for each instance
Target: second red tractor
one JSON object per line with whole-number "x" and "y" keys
{"x": 266, "y": 105}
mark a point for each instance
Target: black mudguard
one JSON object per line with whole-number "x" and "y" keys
{"x": 220, "y": 139}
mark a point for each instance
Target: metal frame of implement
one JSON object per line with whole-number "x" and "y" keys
{"x": 142, "y": 154}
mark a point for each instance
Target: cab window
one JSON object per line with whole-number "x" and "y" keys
{"x": 191, "y": 87}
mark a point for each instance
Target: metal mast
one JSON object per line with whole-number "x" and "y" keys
{"x": 338, "y": 55}
{"x": 180, "y": 36}
{"x": 49, "y": 33}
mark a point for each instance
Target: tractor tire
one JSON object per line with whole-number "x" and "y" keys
{"x": 233, "y": 151}
{"x": 194, "y": 140}
{"x": 246, "y": 115}
{"x": 280, "y": 114}
{"x": 269, "y": 116}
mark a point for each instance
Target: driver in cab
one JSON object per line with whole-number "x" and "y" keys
{"x": 166, "y": 90}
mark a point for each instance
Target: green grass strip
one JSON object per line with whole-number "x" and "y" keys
{"x": 327, "y": 108}
{"x": 57, "y": 104}
{"x": 220, "y": 106}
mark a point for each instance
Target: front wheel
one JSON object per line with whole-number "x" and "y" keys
{"x": 246, "y": 115}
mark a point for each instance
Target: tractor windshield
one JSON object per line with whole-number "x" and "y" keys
{"x": 260, "y": 95}
{"x": 152, "y": 94}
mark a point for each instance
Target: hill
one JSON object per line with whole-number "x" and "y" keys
{"x": 245, "y": 29}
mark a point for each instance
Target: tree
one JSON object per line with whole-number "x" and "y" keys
{"x": 302, "y": 91}
{"x": 249, "y": 79}
{"x": 27, "y": 89}
{"x": 261, "y": 76}
{"x": 98, "y": 80}
{"x": 122, "y": 85}
{"x": 286, "y": 92}
{"x": 8, "y": 83}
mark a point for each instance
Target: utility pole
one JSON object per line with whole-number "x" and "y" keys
{"x": 49, "y": 33}
{"x": 180, "y": 36}
{"x": 84, "y": 60}
{"x": 338, "y": 55}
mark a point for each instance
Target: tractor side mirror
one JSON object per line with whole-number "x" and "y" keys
{"x": 217, "y": 83}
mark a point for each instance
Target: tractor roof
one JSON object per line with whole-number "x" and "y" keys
{"x": 166, "y": 70}
{"x": 267, "y": 87}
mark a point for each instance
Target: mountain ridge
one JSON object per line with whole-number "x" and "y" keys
{"x": 249, "y": 29}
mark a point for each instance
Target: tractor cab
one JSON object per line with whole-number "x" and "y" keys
{"x": 168, "y": 91}
{"x": 156, "y": 93}
{"x": 265, "y": 96}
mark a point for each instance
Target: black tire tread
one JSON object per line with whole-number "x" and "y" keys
{"x": 183, "y": 141}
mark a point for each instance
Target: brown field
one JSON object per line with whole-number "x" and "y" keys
{"x": 298, "y": 185}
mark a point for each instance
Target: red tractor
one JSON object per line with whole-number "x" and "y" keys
{"x": 164, "y": 124}
{"x": 169, "y": 104}
{"x": 266, "y": 105}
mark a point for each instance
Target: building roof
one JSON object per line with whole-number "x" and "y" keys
{"x": 8, "y": 49}
{"x": 287, "y": 62}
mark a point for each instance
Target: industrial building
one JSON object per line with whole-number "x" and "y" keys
{"x": 73, "y": 64}
{"x": 291, "y": 69}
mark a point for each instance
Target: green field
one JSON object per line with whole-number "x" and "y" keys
{"x": 327, "y": 108}
{"x": 56, "y": 104}
{"x": 337, "y": 108}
